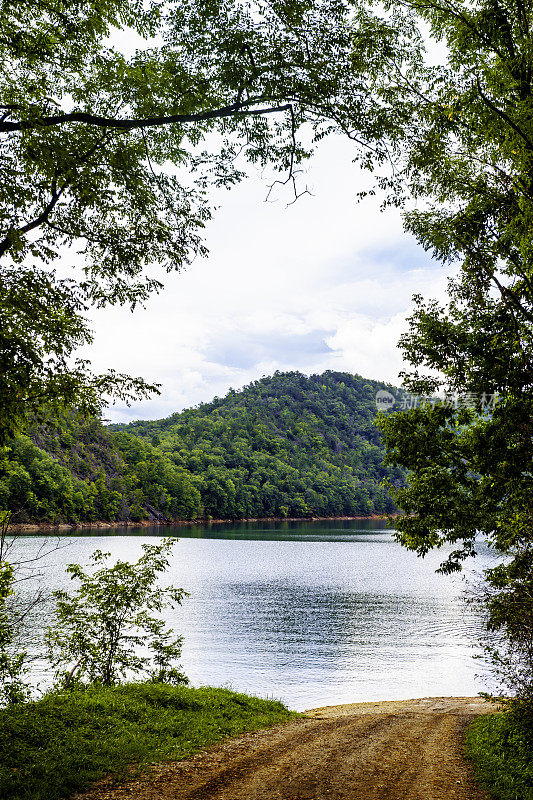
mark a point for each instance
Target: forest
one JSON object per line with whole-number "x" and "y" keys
{"x": 285, "y": 446}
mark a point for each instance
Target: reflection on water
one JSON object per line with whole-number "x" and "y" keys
{"x": 314, "y": 613}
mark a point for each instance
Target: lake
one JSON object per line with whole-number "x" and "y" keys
{"x": 313, "y": 613}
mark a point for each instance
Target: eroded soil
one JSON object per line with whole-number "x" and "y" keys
{"x": 401, "y": 750}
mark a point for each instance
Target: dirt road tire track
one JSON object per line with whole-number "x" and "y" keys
{"x": 405, "y": 750}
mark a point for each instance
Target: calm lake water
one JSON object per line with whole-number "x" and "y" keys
{"x": 313, "y": 613}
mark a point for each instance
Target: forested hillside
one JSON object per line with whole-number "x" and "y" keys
{"x": 288, "y": 445}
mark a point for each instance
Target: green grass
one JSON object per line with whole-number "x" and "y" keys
{"x": 502, "y": 757}
{"x": 61, "y": 743}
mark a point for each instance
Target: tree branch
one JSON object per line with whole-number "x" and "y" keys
{"x": 234, "y": 110}
{"x": 508, "y": 293}
{"x": 291, "y": 176}
{"x": 56, "y": 193}
{"x": 503, "y": 115}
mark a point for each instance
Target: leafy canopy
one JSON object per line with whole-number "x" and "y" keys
{"x": 471, "y": 471}
{"x": 90, "y": 134}
{"x": 112, "y": 154}
{"x": 12, "y": 660}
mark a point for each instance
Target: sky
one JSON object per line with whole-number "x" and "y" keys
{"x": 324, "y": 283}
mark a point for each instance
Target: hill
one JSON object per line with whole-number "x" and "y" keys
{"x": 287, "y": 445}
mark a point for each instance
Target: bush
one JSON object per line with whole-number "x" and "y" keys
{"x": 103, "y": 630}
{"x": 500, "y": 747}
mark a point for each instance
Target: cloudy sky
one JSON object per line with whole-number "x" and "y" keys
{"x": 325, "y": 283}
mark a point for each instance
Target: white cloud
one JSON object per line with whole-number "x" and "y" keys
{"x": 323, "y": 284}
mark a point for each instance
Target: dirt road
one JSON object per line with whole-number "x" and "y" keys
{"x": 404, "y": 750}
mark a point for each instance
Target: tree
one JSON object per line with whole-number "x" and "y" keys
{"x": 12, "y": 666}
{"x": 470, "y": 456}
{"x": 89, "y": 134}
{"x": 15, "y": 610}
{"x": 104, "y": 632}
{"x": 505, "y": 602}
{"x": 113, "y": 154}
{"x": 40, "y": 328}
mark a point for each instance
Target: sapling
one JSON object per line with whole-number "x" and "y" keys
{"x": 106, "y": 630}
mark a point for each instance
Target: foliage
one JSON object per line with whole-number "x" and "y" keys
{"x": 505, "y": 603}
{"x": 502, "y": 756}
{"x": 70, "y": 469}
{"x": 58, "y": 745}
{"x": 89, "y": 133}
{"x": 40, "y": 328}
{"x": 112, "y": 151}
{"x": 102, "y": 632}
{"x": 470, "y": 467}
{"x": 471, "y": 470}
{"x": 288, "y": 445}
{"x": 12, "y": 659}
{"x": 15, "y": 607}
{"x": 284, "y": 446}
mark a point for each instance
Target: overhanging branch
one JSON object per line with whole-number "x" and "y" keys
{"x": 236, "y": 109}
{"x": 493, "y": 107}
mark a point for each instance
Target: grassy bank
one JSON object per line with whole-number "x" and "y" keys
{"x": 502, "y": 757}
{"x": 61, "y": 743}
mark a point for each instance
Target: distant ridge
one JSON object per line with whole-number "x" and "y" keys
{"x": 284, "y": 446}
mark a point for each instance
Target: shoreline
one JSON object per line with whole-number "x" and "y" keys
{"x": 53, "y": 527}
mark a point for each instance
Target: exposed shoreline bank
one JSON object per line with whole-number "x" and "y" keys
{"x": 51, "y": 527}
